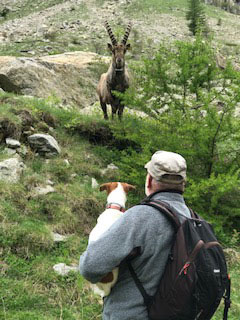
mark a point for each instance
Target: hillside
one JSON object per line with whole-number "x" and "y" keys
{"x": 37, "y": 29}
{"x": 56, "y": 26}
{"x": 52, "y": 53}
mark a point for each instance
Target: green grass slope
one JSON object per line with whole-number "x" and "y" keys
{"x": 29, "y": 287}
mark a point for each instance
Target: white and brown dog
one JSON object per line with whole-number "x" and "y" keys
{"x": 117, "y": 196}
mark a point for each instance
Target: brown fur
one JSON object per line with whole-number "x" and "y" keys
{"x": 110, "y": 186}
{"x": 116, "y": 78}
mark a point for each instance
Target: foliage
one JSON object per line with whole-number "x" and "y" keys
{"x": 190, "y": 107}
{"x": 196, "y": 16}
{"x": 30, "y": 289}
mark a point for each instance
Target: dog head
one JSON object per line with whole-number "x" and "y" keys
{"x": 110, "y": 186}
{"x": 117, "y": 192}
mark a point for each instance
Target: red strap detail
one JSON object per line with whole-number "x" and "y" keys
{"x": 185, "y": 268}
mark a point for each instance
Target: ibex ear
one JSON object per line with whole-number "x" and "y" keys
{"x": 128, "y": 46}
{"x": 110, "y": 47}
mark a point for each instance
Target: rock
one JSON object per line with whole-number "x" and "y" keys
{"x": 58, "y": 237}
{"x": 42, "y": 191}
{"x": 65, "y": 74}
{"x": 110, "y": 168}
{"x": 12, "y": 143}
{"x": 62, "y": 269}
{"x": 11, "y": 169}
{"x": 94, "y": 183}
{"x": 50, "y": 182}
{"x": 67, "y": 162}
{"x": 44, "y": 144}
{"x": 9, "y": 151}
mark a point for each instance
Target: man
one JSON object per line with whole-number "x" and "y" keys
{"x": 141, "y": 227}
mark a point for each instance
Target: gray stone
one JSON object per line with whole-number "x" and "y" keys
{"x": 42, "y": 191}
{"x": 62, "y": 269}
{"x": 11, "y": 170}
{"x": 10, "y": 151}
{"x": 110, "y": 168}
{"x": 94, "y": 183}
{"x": 44, "y": 144}
{"x": 58, "y": 237}
{"x": 61, "y": 74}
{"x": 50, "y": 182}
{"x": 13, "y": 143}
{"x": 67, "y": 162}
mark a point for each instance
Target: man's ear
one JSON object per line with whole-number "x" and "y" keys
{"x": 110, "y": 47}
{"x": 149, "y": 181}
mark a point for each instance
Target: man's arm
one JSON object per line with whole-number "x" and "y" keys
{"x": 103, "y": 255}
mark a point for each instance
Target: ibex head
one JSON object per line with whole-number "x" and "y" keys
{"x": 118, "y": 49}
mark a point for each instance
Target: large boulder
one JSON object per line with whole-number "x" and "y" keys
{"x": 65, "y": 76}
{"x": 44, "y": 144}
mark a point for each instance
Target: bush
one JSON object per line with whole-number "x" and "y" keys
{"x": 190, "y": 109}
{"x": 196, "y": 16}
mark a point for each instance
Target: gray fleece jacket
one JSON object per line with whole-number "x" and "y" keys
{"x": 140, "y": 226}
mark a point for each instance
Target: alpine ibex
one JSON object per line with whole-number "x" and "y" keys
{"x": 116, "y": 78}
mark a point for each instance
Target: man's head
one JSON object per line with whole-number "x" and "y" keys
{"x": 166, "y": 170}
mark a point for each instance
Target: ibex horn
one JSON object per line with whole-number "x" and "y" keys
{"x": 111, "y": 35}
{"x": 125, "y": 38}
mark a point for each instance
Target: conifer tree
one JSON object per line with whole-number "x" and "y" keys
{"x": 196, "y": 16}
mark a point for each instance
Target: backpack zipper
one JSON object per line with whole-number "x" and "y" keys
{"x": 191, "y": 257}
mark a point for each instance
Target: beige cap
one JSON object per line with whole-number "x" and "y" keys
{"x": 168, "y": 167}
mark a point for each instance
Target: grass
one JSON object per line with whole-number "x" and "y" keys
{"x": 157, "y": 6}
{"x": 234, "y": 311}
{"x": 29, "y": 287}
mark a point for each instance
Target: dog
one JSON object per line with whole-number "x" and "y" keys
{"x": 116, "y": 199}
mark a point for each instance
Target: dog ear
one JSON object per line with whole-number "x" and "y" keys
{"x": 128, "y": 187}
{"x": 110, "y": 186}
{"x": 104, "y": 186}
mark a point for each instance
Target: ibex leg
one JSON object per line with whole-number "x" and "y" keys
{"x": 104, "y": 109}
{"x": 120, "y": 112}
{"x": 114, "y": 110}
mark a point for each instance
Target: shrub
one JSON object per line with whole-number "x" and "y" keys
{"x": 196, "y": 16}
{"x": 190, "y": 108}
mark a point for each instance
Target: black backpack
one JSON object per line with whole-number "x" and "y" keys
{"x": 195, "y": 278}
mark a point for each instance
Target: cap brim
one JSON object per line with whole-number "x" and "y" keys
{"x": 147, "y": 165}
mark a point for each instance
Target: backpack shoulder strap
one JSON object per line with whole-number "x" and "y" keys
{"x": 147, "y": 298}
{"x": 194, "y": 215}
{"x": 165, "y": 209}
